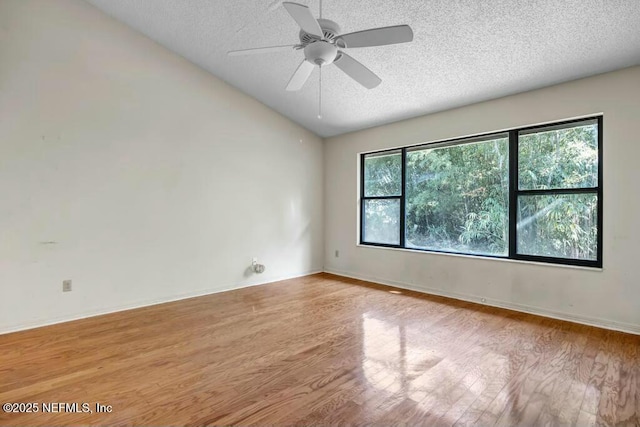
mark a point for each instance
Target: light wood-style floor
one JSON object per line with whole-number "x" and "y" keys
{"x": 323, "y": 350}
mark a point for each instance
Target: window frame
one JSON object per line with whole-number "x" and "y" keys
{"x": 401, "y": 198}
{"x": 514, "y": 192}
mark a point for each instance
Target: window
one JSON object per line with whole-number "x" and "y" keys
{"x": 382, "y": 197}
{"x": 558, "y": 192}
{"x": 530, "y": 194}
{"x": 458, "y": 197}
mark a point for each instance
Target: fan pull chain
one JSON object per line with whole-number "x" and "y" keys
{"x": 320, "y": 78}
{"x": 320, "y": 94}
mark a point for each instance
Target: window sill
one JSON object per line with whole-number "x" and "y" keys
{"x": 484, "y": 258}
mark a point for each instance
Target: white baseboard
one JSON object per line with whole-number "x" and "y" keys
{"x": 590, "y": 321}
{"x": 6, "y": 329}
{"x": 601, "y": 323}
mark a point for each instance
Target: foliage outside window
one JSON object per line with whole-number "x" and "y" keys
{"x": 531, "y": 194}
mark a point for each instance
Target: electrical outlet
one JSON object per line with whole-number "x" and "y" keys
{"x": 66, "y": 285}
{"x": 337, "y": 253}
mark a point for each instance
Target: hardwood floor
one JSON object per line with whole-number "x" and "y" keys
{"x": 323, "y": 350}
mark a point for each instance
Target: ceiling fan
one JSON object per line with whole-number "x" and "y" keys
{"x": 322, "y": 43}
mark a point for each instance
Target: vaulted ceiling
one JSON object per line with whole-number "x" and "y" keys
{"x": 463, "y": 51}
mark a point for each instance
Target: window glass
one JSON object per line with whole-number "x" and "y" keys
{"x": 562, "y": 158}
{"x": 382, "y": 221}
{"x": 383, "y": 174}
{"x": 564, "y": 226}
{"x": 458, "y": 198}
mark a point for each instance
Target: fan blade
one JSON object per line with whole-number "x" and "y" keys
{"x": 258, "y": 50}
{"x": 301, "y": 75}
{"x": 304, "y": 18}
{"x": 378, "y": 36}
{"x": 357, "y": 71}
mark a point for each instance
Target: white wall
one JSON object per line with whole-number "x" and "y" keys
{"x": 155, "y": 179}
{"x": 610, "y": 297}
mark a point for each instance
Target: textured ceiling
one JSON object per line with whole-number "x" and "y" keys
{"x": 464, "y": 51}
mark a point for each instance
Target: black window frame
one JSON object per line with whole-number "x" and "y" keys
{"x": 401, "y": 198}
{"x": 514, "y": 192}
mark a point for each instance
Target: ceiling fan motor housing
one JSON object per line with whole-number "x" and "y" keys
{"x": 329, "y": 30}
{"x": 321, "y": 52}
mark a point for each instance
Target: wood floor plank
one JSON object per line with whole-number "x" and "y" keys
{"x": 455, "y": 369}
{"x": 547, "y": 360}
{"x": 323, "y": 350}
{"x": 593, "y": 391}
{"x": 505, "y": 386}
{"x": 573, "y": 349}
{"x": 626, "y": 401}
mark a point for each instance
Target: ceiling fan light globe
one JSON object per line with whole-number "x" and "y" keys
{"x": 320, "y": 53}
